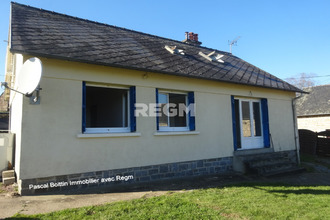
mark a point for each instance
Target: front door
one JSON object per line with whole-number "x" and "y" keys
{"x": 251, "y": 125}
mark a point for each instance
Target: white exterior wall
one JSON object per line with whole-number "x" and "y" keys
{"x": 316, "y": 124}
{"x": 281, "y": 124}
{"x": 16, "y": 112}
{"x": 50, "y": 145}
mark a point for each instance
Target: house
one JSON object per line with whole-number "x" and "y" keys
{"x": 85, "y": 132}
{"x": 313, "y": 109}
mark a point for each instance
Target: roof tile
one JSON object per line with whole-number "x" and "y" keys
{"x": 48, "y": 34}
{"x": 317, "y": 102}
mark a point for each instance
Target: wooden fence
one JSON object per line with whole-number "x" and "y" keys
{"x": 315, "y": 143}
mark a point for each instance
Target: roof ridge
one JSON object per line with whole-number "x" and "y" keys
{"x": 113, "y": 26}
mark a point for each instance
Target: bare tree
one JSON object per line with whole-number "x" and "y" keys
{"x": 302, "y": 80}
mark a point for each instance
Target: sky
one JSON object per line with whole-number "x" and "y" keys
{"x": 283, "y": 37}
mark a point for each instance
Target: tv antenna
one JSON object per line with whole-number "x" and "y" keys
{"x": 233, "y": 42}
{"x": 28, "y": 80}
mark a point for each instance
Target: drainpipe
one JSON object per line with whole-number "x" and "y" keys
{"x": 295, "y": 125}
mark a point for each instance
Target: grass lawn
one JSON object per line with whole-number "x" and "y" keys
{"x": 244, "y": 201}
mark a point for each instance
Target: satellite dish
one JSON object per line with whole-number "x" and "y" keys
{"x": 28, "y": 80}
{"x": 29, "y": 76}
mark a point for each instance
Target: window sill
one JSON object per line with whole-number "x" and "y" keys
{"x": 172, "y": 133}
{"x": 108, "y": 135}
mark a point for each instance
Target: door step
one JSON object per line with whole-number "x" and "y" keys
{"x": 8, "y": 177}
{"x": 292, "y": 170}
{"x": 270, "y": 164}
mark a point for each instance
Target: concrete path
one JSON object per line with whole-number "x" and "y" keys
{"x": 49, "y": 203}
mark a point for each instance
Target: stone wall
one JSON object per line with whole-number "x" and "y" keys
{"x": 316, "y": 124}
{"x": 110, "y": 178}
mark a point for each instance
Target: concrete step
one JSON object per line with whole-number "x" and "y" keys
{"x": 8, "y": 173}
{"x": 270, "y": 164}
{"x": 262, "y": 156}
{"x": 267, "y": 162}
{"x": 274, "y": 168}
{"x": 292, "y": 170}
{"x": 8, "y": 180}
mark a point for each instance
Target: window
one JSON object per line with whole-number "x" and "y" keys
{"x": 108, "y": 109}
{"x": 250, "y": 123}
{"x": 176, "y": 111}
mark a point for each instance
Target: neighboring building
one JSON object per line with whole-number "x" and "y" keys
{"x": 4, "y": 115}
{"x": 84, "y": 131}
{"x": 3, "y": 103}
{"x": 313, "y": 109}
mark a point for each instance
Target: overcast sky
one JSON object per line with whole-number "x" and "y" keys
{"x": 282, "y": 37}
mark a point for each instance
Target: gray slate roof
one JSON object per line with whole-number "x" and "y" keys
{"x": 316, "y": 103}
{"x": 48, "y": 34}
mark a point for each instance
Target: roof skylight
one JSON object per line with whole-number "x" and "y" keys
{"x": 213, "y": 56}
{"x": 174, "y": 50}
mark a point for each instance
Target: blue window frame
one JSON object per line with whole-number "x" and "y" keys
{"x": 172, "y": 117}
{"x": 107, "y": 109}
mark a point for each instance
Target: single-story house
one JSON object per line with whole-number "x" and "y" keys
{"x": 313, "y": 109}
{"x": 108, "y": 101}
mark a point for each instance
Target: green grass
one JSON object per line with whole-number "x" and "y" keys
{"x": 244, "y": 201}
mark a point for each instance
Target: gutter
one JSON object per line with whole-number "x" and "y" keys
{"x": 295, "y": 126}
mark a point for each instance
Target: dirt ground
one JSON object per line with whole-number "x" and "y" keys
{"x": 11, "y": 203}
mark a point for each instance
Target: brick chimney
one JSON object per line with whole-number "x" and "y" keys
{"x": 192, "y": 38}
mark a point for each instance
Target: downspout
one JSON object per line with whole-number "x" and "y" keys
{"x": 295, "y": 126}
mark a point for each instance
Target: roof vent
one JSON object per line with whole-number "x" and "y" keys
{"x": 192, "y": 38}
{"x": 212, "y": 56}
{"x": 174, "y": 50}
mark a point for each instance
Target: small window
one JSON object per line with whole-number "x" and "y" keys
{"x": 257, "y": 119}
{"x": 246, "y": 120}
{"x": 106, "y": 109}
{"x": 175, "y": 111}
